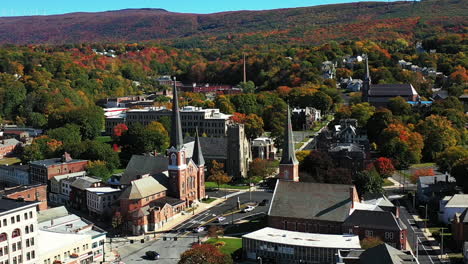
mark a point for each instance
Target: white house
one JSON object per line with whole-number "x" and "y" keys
{"x": 100, "y": 199}
{"x": 451, "y": 205}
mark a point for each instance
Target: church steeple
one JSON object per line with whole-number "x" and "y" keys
{"x": 177, "y": 140}
{"x": 366, "y": 84}
{"x": 197, "y": 156}
{"x": 289, "y": 170}
{"x": 289, "y": 153}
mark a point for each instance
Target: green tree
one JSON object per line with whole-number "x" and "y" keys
{"x": 68, "y": 134}
{"x": 321, "y": 101}
{"x": 253, "y": 126}
{"x": 89, "y": 119}
{"x": 460, "y": 173}
{"x": 447, "y": 159}
{"x": 362, "y": 112}
{"x": 139, "y": 139}
{"x": 379, "y": 121}
{"x": 99, "y": 169}
{"x": 368, "y": 181}
{"x": 247, "y": 87}
{"x": 399, "y": 106}
{"x": 261, "y": 168}
{"x": 37, "y": 120}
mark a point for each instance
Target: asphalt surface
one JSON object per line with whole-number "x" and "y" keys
{"x": 171, "y": 250}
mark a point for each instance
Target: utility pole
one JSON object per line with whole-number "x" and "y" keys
{"x": 442, "y": 242}
{"x": 245, "y": 72}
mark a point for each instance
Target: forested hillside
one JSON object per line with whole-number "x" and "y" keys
{"x": 307, "y": 25}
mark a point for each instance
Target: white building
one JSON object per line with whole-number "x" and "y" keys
{"x": 18, "y": 232}
{"x": 100, "y": 200}
{"x": 80, "y": 240}
{"x": 451, "y": 205}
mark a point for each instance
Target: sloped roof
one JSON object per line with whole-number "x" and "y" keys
{"x": 383, "y": 220}
{"x": 385, "y": 254}
{"x": 84, "y": 182}
{"x": 142, "y": 188}
{"x": 166, "y": 200}
{"x": 306, "y": 200}
{"x": 143, "y": 164}
{"x": 405, "y": 89}
{"x": 212, "y": 147}
{"x": 458, "y": 200}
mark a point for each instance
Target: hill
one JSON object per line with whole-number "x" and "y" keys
{"x": 374, "y": 20}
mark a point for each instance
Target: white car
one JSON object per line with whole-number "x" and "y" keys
{"x": 221, "y": 218}
{"x": 249, "y": 208}
{"x": 199, "y": 229}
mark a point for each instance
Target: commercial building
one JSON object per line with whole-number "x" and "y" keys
{"x": 31, "y": 193}
{"x": 13, "y": 175}
{"x": 382, "y": 254}
{"x": 43, "y": 170}
{"x": 77, "y": 239}
{"x": 18, "y": 232}
{"x": 101, "y": 199}
{"x": 283, "y": 246}
{"x": 79, "y": 195}
{"x": 8, "y": 146}
{"x": 60, "y": 187}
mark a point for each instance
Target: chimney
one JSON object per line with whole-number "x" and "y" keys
{"x": 397, "y": 212}
{"x": 351, "y": 195}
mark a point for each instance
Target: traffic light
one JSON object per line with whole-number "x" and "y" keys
{"x": 164, "y": 238}
{"x": 142, "y": 241}
{"x": 131, "y": 241}
{"x": 175, "y": 238}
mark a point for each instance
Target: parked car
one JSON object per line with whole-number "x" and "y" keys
{"x": 199, "y": 229}
{"x": 264, "y": 202}
{"x": 249, "y": 209}
{"x": 221, "y": 219}
{"x": 153, "y": 255}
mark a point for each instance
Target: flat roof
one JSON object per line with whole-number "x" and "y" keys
{"x": 12, "y": 204}
{"x": 63, "y": 240}
{"x": 54, "y": 161}
{"x": 102, "y": 190}
{"x": 293, "y": 238}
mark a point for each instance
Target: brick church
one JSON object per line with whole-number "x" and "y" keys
{"x": 151, "y": 198}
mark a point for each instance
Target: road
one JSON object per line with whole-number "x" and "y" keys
{"x": 171, "y": 250}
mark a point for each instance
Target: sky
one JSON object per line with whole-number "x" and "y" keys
{"x": 50, "y": 7}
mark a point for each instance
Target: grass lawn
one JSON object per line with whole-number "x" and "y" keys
{"x": 104, "y": 139}
{"x": 387, "y": 182}
{"x": 224, "y": 186}
{"x": 247, "y": 227}
{"x": 9, "y": 161}
{"x": 455, "y": 257}
{"x": 118, "y": 171}
{"x": 232, "y": 244}
{"x": 209, "y": 200}
{"x": 423, "y": 165}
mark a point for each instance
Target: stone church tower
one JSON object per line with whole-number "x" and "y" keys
{"x": 289, "y": 166}
{"x": 366, "y": 84}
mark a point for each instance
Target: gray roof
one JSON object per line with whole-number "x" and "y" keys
{"x": 166, "y": 200}
{"x": 9, "y": 142}
{"x": 197, "y": 156}
{"x": 349, "y": 147}
{"x": 84, "y": 182}
{"x": 54, "y": 161}
{"x": 458, "y": 201}
{"x": 142, "y": 188}
{"x": 306, "y": 200}
{"x": 143, "y": 164}
{"x": 177, "y": 140}
{"x": 7, "y": 204}
{"x": 385, "y": 254}
{"x": 212, "y": 147}
{"x": 425, "y": 181}
{"x": 381, "y": 220}
{"x": 405, "y": 89}
{"x": 52, "y": 213}
{"x": 289, "y": 153}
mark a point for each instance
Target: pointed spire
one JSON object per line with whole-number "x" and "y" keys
{"x": 197, "y": 156}
{"x": 289, "y": 153}
{"x": 177, "y": 140}
{"x": 367, "y": 77}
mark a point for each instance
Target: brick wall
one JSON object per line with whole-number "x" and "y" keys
{"x": 37, "y": 192}
{"x": 304, "y": 225}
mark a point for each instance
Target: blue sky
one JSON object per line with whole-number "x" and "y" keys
{"x": 47, "y": 7}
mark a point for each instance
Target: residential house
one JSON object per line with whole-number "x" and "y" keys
{"x": 349, "y": 156}
{"x": 378, "y": 223}
{"x": 44, "y": 170}
{"x": 78, "y": 194}
{"x": 382, "y": 254}
{"x": 8, "y": 146}
{"x": 30, "y": 193}
{"x": 451, "y": 205}
{"x": 351, "y": 85}
{"x": 305, "y": 119}
{"x": 100, "y": 200}
{"x": 460, "y": 228}
{"x": 18, "y": 231}
{"x": 14, "y": 175}
{"x": 434, "y": 187}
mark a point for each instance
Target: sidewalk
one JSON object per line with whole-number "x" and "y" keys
{"x": 429, "y": 237}
{"x": 395, "y": 183}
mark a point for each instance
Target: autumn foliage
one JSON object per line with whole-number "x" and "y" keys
{"x": 421, "y": 173}
{"x": 384, "y": 167}
{"x": 205, "y": 254}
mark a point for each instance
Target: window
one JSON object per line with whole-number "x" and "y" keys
{"x": 31, "y": 228}
{"x": 388, "y": 235}
{"x": 30, "y": 214}
{"x": 27, "y": 242}
{"x": 3, "y": 237}
{"x": 25, "y": 216}
{"x": 369, "y": 233}
{"x": 13, "y": 248}
{"x": 32, "y": 241}
{"x": 33, "y": 254}
{"x": 17, "y": 218}
{"x": 12, "y": 219}
{"x": 28, "y": 256}
{"x": 19, "y": 245}
{"x": 4, "y": 222}
{"x": 26, "y": 230}
{"x": 16, "y": 233}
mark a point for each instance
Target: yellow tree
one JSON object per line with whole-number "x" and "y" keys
{"x": 217, "y": 174}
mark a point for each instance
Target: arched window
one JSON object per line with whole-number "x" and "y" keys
{"x": 16, "y": 233}
{"x": 3, "y": 237}
{"x": 26, "y": 229}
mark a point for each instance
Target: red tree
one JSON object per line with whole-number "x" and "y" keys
{"x": 204, "y": 253}
{"x": 420, "y": 173}
{"x": 119, "y": 130}
{"x": 384, "y": 167}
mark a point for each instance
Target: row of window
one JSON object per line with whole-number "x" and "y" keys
{"x": 388, "y": 235}
{"x": 15, "y": 219}
{"x": 16, "y": 246}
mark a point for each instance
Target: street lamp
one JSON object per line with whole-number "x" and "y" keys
{"x": 259, "y": 260}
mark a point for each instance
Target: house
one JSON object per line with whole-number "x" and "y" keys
{"x": 263, "y": 148}
{"x": 378, "y": 223}
{"x": 14, "y": 175}
{"x": 347, "y": 131}
{"x": 350, "y": 156}
{"x": 30, "y": 193}
{"x": 304, "y": 119}
{"x": 382, "y": 254}
{"x": 8, "y": 146}
{"x": 18, "y": 231}
{"x": 434, "y": 187}
{"x": 351, "y": 85}
{"x": 148, "y": 201}
{"x": 78, "y": 194}
{"x": 60, "y": 187}
{"x": 77, "y": 240}
{"x": 311, "y": 207}
{"x": 271, "y": 245}
{"x": 460, "y": 228}
{"x": 100, "y": 200}
{"x": 451, "y": 205}
{"x": 43, "y": 170}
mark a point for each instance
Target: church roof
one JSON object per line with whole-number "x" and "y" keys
{"x": 394, "y": 90}
{"x": 143, "y": 164}
{"x": 197, "y": 155}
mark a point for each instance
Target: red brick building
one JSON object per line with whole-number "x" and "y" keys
{"x": 44, "y": 170}
{"x": 8, "y": 146}
{"x": 30, "y": 193}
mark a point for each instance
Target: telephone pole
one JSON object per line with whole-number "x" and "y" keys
{"x": 245, "y": 72}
